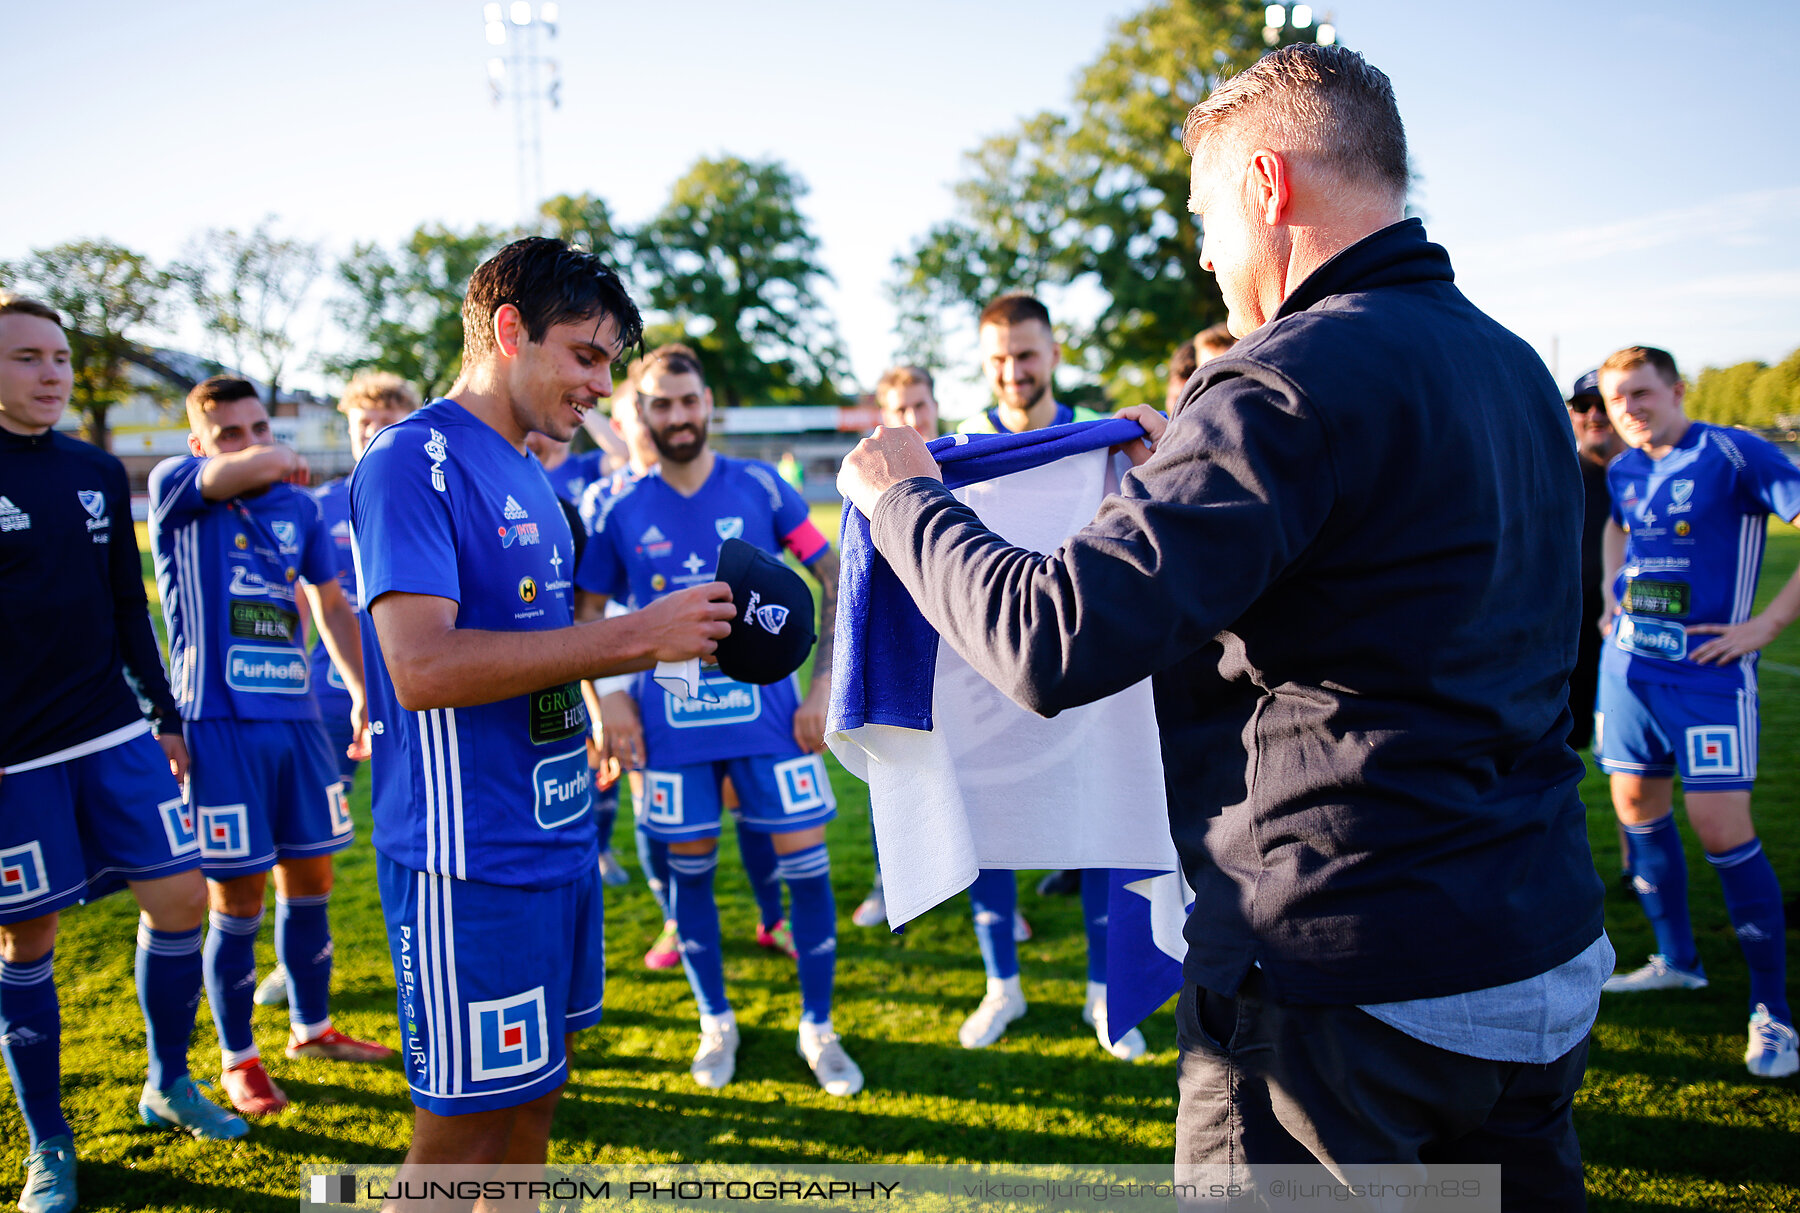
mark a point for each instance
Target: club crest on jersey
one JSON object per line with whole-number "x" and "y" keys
{"x": 803, "y": 785}
{"x": 437, "y": 449}
{"x": 178, "y": 825}
{"x": 510, "y": 1035}
{"x": 224, "y": 831}
{"x": 1681, "y": 490}
{"x": 1713, "y": 750}
{"x": 22, "y": 876}
{"x": 287, "y": 535}
{"x": 92, "y": 500}
{"x": 729, "y": 528}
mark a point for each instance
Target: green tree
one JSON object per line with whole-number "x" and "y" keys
{"x": 732, "y": 262}
{"x": 584, "y": 220}
{"x": 247, "y": 289}
{"x": 1097, "y": 196}
{"x": 403, "y": 307}
{"x": 105, "y": 292}
{"x": 1721, "y": 395}
{"x": 1776, "y": 392}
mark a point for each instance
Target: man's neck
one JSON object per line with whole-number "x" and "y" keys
{"x": 1036, "y": 417}
{"x": 12, "y": 426}
{"x": 1659, "y": 450}
{"x": 484, "y": 399}
{"x": 686, "y": 478}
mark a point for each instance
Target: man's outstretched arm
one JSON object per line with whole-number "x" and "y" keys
{"x": 435, "y": 664}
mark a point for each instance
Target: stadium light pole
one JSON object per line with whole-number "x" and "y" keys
{"x": 529, "y": 79}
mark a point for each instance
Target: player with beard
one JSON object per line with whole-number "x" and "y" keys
{"x": 1019, "y": 356}
{"x": 663, "y": 533}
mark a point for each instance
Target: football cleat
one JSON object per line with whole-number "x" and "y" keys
{"x": 873, "y": 910}
{"x": 182, "y": 1106}
{"x": 715, "y": 1061}
{"x": 272, "y": 990}
{"x": 665, "y": 953}
{"x": 333, "y": 1045}
{"x": 251, "y": 1091}
{"x": 823, "y": 1050}
{"x": 50, "y": 1177}
{"x": 1774, "y": 1050}
{"x": 1003, "y": 1004}
{"x": 778, "y": 938}
{"x": 1659, "y": 973}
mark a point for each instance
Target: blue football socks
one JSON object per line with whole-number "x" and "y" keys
{"x": 1659, "y": 874}
{"x": 31, "y": 1042}
{"x": 697, "y": 924}
{"x": 814, "y": 924}
{"x": 653, "y": 858}
{"x": 1096, "y": 888}
{"x": 1753, "y": 899}
{"x": 758, "y": 853}
{"x": 303, "y": 945}
{"x": 168, "y": 990}
{"x": 994, "y": 898}
{"x": 230, "y": 960}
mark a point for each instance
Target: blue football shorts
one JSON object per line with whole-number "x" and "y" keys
{"x": 262, "y": 791}
{"x": 775, "y": 796}
{"x": 77, "y": 824}
{"x": 1653, "y": 731}
{"x": 489, "y": 978}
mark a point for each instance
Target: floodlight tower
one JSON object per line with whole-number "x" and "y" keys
{"x": 530, "y": 79}
{"x": 1284, "y": 23}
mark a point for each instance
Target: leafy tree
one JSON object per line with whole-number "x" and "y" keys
{"x": 1097, "y": 196}
{"x": 585, "y": 221}
{"x": 403, "y": 308}
{"x": 731, "y": 261}
{"x": 247, "y": 289}
{"x": 1721, "y": 395}
{"x": 105, "y": 292}
{"x": 1776, "y": 392}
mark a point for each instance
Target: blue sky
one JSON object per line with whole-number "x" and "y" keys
{"x": 1603, "y": 172}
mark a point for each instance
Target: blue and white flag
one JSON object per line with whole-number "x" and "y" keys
{"x": 1146, "y": 912}
{"x": 961, "y": 778}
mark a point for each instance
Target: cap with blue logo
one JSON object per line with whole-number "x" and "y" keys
{"x": 1587, "y": 385}
{"x": 772, "y": 631}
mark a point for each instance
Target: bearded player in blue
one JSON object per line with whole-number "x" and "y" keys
{"x": 1678, "y": 677}
{"x": 485, "y": 842}
{"x": 234, "y": 540}
{"x": 661, "y": 533}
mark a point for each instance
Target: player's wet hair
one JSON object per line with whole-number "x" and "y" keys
{"x": 551, "y": 284}
{"x": 674, "y": 358}
{"x": 1634, "y": 356}
{"x": 19, "y": 305}
{"x": 378, "y": 390}
{"x": 209, "y": 394}
{"x": 1017, "y": 308}
{"x": 1323, "y": 103}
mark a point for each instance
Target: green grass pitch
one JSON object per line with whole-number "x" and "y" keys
{"x": 1668, "y": 1117}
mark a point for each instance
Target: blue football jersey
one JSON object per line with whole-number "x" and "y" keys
{"x": 441, "y": 504}
{"x": 572, "y": 476}
{"x": 649, "y": 540}
{"x": 227, "y": 572}
{"x": 334, "y": 508}
{"x": 1695, "y": 522}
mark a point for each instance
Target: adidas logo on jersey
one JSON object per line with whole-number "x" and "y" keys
{"x": 514, "y": 511}
{"x": 653, "y": 535}
{"x": 12, "y": 518}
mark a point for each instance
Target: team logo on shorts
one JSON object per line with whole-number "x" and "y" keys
{"x": 92, "y": 500}
{"x": 528, "y": 590}
{"x": 340, "y": 810}
{"x": 729, "y": 528}
{"x": 662, "y": 798}
{"x": 22, "y": 875}
{"x": 224, "y": 831}
{"x": 1713, "y": 750}
{"x": 803, "y": 785}
{"x": 509, "y": 1036}
{"x": 178, "y": 824}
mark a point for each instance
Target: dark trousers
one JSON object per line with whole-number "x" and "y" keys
{"x": 1263, "y": 1083}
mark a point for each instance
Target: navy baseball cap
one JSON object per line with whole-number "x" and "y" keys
{"x": 772, "y": 632}
{"x": 1587, "y": 385}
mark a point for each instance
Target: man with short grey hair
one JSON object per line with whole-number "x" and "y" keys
{"x": 1349, "y": 565}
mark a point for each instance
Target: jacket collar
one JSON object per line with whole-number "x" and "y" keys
{"x": 1397, "y": 255}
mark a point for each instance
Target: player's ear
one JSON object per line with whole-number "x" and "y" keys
{"x": 509, "y": 330}
{"x": 706, "y": 398}
{"x": 194, "y": 447}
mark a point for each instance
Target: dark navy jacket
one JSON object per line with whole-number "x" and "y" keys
{"x": 1353, "y": 567}
{"x": 72, "y": 605}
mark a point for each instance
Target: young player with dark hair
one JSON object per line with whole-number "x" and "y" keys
{"x": 484, "y": 835}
